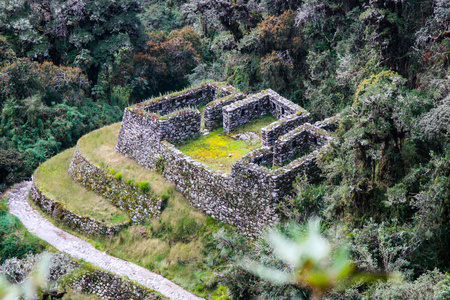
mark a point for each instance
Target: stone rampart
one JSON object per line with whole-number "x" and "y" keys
{"x": 138, "y": 204}
{"x": 82, "y": 224}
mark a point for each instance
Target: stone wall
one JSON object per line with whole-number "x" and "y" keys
{"x": 236, "y": 201}
{"x": 80, "y": 277}
{"x": 241, "y": 201}
{"x": 272, "y": 132}
{"x": 280, "y": 106}
{"x": 212, "y": 113}
{"x": 329, "y": 124}
{"x": 110, "y": 287}
{"x": 298, "y": 142}
{"x": 180, "y": 125}
{"x": 254, "y": 106}
{"x": 192, "y": 97}
{"x": 247, "y": 197}
{"x": 82, "y": 224}
{"x": 279, "y": 179}
{"x": 139, "y": 205}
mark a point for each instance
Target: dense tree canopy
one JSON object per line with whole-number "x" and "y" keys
{"x": 70, "y": 66}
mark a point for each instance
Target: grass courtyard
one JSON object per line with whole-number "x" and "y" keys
{"x": 220, "y": 151}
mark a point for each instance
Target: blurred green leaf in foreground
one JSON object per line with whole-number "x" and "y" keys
{"x": 312, "y": 261}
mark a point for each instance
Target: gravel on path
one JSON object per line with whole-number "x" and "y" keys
{"x": 78, "y": 248}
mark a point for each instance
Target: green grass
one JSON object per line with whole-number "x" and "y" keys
{"x": 53, "y": 179}
{"x": 98, "y": 147}
{"x": 175, "y": 244}
{"x": 219, "y": 151}
{"x": 15, "y": 240}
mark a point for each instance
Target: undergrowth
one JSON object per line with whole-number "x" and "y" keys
{"x": 15, "y": 240}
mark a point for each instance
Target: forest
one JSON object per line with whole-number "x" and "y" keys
{"x": 68, "y": 67}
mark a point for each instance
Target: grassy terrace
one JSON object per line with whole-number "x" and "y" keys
{"x": 52, "y": 178}
{"x": 177, "y": 244}
{"x": 98, "y": 147}
{"x": 174, "y": 245}
{"x": 220, "y": 151}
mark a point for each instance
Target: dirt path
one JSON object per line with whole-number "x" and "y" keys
{"x": 78, "y": 248}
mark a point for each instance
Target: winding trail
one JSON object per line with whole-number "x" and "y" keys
{"x": 78, "y": 248}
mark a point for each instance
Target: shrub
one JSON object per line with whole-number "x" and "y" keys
{"x": 15, "y": 241}
{"x": 144, "y": 186}
{"x": 119, "y": 176}
{"x": 160, "y": 164}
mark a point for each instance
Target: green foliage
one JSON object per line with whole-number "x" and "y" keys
{"x": 165, "y": 61}
{"x": 161, "y": 164}
{"x": 15, "y": 240}
{"x": 144, "y": 186}
{"x": 374, "y": 148}
{"x": 12, "y": 167}
{"x": 221, "y": 293}
{"x": 311, "y": 262}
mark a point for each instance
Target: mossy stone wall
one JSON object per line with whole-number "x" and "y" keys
{"x": 82, "y": 224}
{"x": 254, "y": 106}
{"x": 247, "y": 197}
{"x": 138, "y": 204}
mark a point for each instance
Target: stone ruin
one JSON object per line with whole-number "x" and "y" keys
{"x": 247, "y": 197}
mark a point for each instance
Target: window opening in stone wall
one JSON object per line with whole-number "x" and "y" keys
{"x": 282, "y": 111}
{"x": 242, "y": 112}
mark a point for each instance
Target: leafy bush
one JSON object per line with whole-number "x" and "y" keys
{"x": 15, "y": 240}
{"x": 144, "y": 186}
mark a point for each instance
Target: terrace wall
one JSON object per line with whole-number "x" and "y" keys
{"x": 82, "y": 224}
{"x": 137, "y": 204}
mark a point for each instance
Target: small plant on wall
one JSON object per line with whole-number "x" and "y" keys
{"x": 160, "y": 164}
